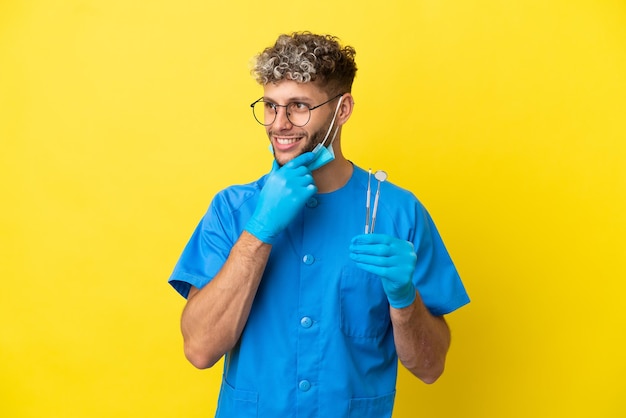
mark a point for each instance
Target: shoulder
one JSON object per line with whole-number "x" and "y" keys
{"x": 235, "y": 196}
{"x": 398, "y": 192}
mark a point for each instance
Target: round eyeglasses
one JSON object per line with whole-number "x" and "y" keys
{"x": 298, "y": 113}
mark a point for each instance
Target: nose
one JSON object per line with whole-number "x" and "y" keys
{"x": 282, "y": 121}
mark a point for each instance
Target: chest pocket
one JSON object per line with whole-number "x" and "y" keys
{"x": 379, "y": 407}
{"x": 236, "y": 403}
{"x": 364, "y": 306}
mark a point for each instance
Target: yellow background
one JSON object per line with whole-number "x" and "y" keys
{"x": 120, "y": 119}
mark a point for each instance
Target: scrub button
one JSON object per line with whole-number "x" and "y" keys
{"x": 308, "y": 259}
{"x": 304, "y": 385}
{"x": 306, "y": 322}
{"x": 312, "y": 203}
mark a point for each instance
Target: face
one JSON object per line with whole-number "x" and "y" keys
{"x": 289, "y": 141}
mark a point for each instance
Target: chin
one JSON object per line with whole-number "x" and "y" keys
{"x": 284, "y": 157}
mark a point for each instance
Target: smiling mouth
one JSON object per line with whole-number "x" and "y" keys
{"x": 288, "y": 141}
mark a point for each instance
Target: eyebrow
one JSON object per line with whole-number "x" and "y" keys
{"x": 291, "y": 99}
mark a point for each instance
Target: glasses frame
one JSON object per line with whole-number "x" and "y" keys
{"x": 275, "y": 106}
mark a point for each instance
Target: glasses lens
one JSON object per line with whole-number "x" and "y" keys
{"x": 264, "y": 113}
{"x": 298, "y": 114}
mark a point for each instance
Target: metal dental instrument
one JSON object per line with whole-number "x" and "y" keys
{"x": 381, "y": 176}
{"x": 367, "y": 204}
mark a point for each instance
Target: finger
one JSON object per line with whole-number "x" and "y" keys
{"x": 300, "y": 160}
{"x": 375, "y": 250}
{"x": 373, "y": 260}
{"x": 373, "y": 269}
{"x": 301, "y": 171}
{"x": 300, "y": 181}
{"x": 370, "y": 239}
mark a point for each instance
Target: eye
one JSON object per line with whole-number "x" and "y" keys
{"x": 269, "y": 105}
{"x": 298, "y": 107}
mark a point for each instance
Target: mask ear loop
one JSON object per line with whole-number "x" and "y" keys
{"x": 332, "y": 123}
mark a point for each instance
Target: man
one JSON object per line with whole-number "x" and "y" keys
{"x": 310, "y": 312}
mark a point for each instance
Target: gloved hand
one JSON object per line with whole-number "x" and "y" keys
{"x": 284, "y": 194}
{"x": 390, "y": 258}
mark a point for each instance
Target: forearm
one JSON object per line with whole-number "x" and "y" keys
{"x": 215, "y": 316}
{"x": 422, "y": 340}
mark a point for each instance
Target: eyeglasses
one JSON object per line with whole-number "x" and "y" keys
{"x": 298, "y": 114}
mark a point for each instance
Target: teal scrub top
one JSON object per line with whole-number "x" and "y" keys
{"x": 318, "y": 341}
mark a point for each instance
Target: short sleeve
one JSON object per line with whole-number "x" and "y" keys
{"x": 436, "y": 276}
{"x": 207, "y": 249}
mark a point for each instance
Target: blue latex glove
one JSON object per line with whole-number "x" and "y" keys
{"x": 284, "y": 194}
{"x": 390, "y": 258}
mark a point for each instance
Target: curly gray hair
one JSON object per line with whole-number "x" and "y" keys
{"x": 305, "y": 57}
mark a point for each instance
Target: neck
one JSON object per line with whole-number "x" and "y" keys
{"x": 334, "y": 175}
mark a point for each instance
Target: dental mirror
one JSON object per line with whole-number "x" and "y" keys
{"x": 381, "y": 176}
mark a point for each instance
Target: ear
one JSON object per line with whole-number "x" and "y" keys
{"x": 345, "y": 109}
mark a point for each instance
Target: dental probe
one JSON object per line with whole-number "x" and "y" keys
{"x": 381, "y": 176}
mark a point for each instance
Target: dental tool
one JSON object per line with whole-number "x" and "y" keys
{"x": 381, "y": 176}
